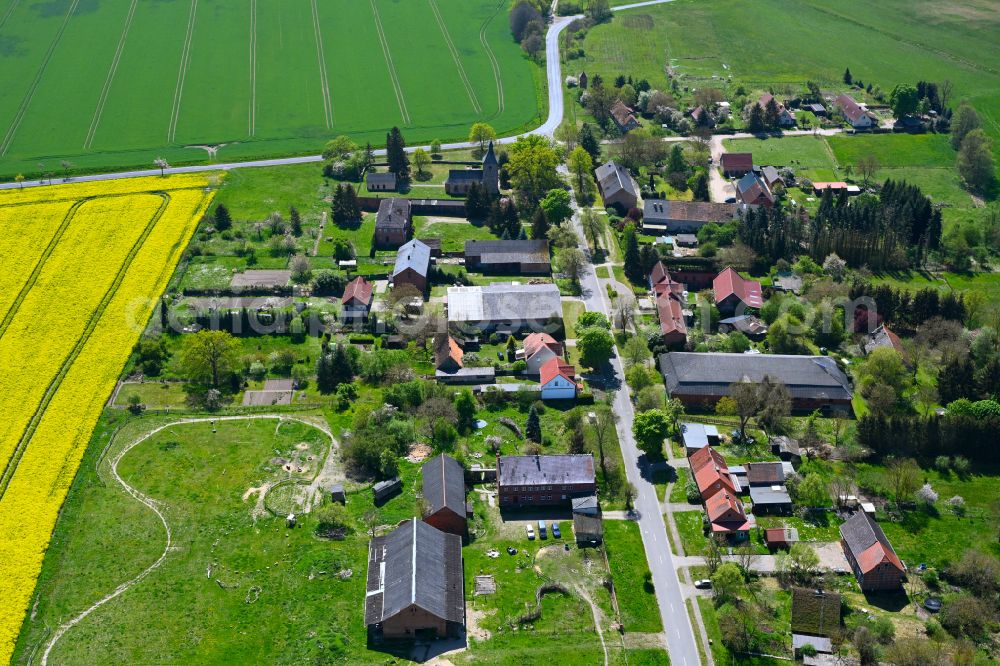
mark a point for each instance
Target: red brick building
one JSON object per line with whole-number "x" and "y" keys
{"x": 872, "y": 558}
{"x": 544, "y": 480}
{"x": 444, "y": 494}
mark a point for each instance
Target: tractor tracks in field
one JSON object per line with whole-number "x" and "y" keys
{"x": 455, "y": 57}
{"x": 397, "y": 88}
{"x": 154, "y": 506}
{"x": 252, "y": 111}
{"x": 175, "y": 110}
{"x": 30, "y": 93}
{"x": 112, "y": 70}
{"x": 494, "y": 63}
{"x": 324, "y": 80}
{"x": 10, "y": 467}
{"x": 6, "y": 14}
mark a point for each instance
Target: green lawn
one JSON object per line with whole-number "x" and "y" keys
{"x": 452, "y": 231}
{"x": 571, "y": 312}
{"x": 895, "y": 150}
{"x": 690, "y": 525}
{"x": 154, "y": 395}
{"x": 118, "y": 83}
{"x": 633, "y": 582}
{"x": 679, "y": 492}
{"x": 809, "y": 156}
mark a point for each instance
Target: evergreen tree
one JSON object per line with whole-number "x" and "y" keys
{"x": 512, "y": 221}
{"x": 522, "y": 235}
{"x": 477, "y": 203}
{"x": 495, "y": 218}
{"x": 341, "y": 369}
{"x": 324, "y": 374}
{"x": 533, "y": 428}
{"x": 223, "y": 220}
{"x": 956, "y": 379}
{"x": 589, "y": 142}
{"x": 633, "y": 263}
{"x": 700, "y": 189}
{"x": 352, "y": 207}
{"x": 395, "y": 147}
{"x": 675, "y": 163}
{"x": 771, "y": 114}
{"x": 755, "y": 123}
{"x": 539, "y": 225}
{"x": 848, "y": 79}
{"x": 295, "y": 219}
{"x": 465, "y": 405}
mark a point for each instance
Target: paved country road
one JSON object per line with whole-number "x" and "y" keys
{"x": 554, "y": 119}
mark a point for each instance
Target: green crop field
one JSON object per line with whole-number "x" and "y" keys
{"x": 773, "y": 43}
{"x": 120, "y": 82}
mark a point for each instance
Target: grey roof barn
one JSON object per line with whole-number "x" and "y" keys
{"x": 444, "y": 484}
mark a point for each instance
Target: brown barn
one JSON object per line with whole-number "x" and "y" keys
{"x": 872, "y": 558}
{"x": 415, "y": 587}
{"x": 444, "y": 493}
{"x": 735, "y": 165}
{"x": 544, "y": 480}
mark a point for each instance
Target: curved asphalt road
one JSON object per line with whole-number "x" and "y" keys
{"x": 677, "y": 626}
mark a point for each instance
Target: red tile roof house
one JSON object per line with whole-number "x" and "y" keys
{"x": 858, "y": 116}
{"x": 735, "y": 165}
{"x": 733, "y": 293}
{"x": 871, "y": 556}
{"x": 558, "y": 380}
{"x": 539, "y": 348}
{"x": 751, "y": 190}
{"x": 670, "y": 311}
{"x": 661, "y": 282}
{"x": 785, "y": 118}
{"x": 357, "y": 299}
{"x": 719, "y": 493}
{"x": 447, "y": 354}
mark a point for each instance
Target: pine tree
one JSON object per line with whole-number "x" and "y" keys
{"x": 771, "y": 114}
{"x": 633, "y": 263}
{"x": 325, "y": 381}
{"x": 848, "y": 79}
{"x": 337, "y": 211}
{"x": 352, "y": 208}
{"x": 589, "y": 142}
{"x": 395, "y": 148}
{"x": 533, "y": 428}
{"x": 700, "y": 189}
{"x": 512, "y": 221}
{"x": 495, "y": 218}
{"x": 755, "y": 123}
{"x": 223, "y": 220}
{"x": 477, "y": 203}
{"x": 295, "y": 219}
{"x": 676, "y": 162}
{"x": 340, "y": 366}
{"x": 539, "y": 225}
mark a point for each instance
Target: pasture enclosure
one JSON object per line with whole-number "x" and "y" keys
{"x": 84, "y": 266}
{"x": 119, "y": 82}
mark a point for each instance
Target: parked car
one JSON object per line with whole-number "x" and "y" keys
{"x": 531, "y": 532}
{"x": 703, "y": 584}
{"x": 731, "y": 200}
{"x": 541, "y": 529}
{"x": 556, "y": 534}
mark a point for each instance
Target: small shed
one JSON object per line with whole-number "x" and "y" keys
{"x": 586, "y": 505}
{"x": 786, "y": 448}
{"x": 337, "y": 493}
{"x": 383, "y": 490}
{"x": 588, "y": 530}
{"x": 780, "y": 537}
{"x": 698, "y": 436}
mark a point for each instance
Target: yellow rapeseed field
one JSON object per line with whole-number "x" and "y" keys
{"x": 24, "y": 234}
{"x": 109, "y": 230}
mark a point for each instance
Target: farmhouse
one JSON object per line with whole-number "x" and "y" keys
{"x": 719, "y": 493}
{"x": 415, "y": 583}
{"x": 380, "y": 182}
{"x": 544, "y": 480}
{"x": 735, "y": 165}
{"x": 509, "y": 307}
{"x": 661, "y": 282}
{"x": 751, "y": 190}
{"x": 617, "y": 186}
{"x": 558, "y": 380}
{"x": 785, "y": 117}
{"x": 539, "y": 348}
{"x": 700, "y": 379}
{"x": 393, "y": 223}
{"x": 702, "y": 118}
{"x": 444, "y": 494}
{"x": 413, "y": 262}
{"x": 858, "y": 116}
{"x": 447, "y": 354}
{"x": 624, "y": 118}
{"x": 522, "y": 257}
{"x": 815, "y": 619}
{"x": 660, "y": 216}
{"x": 883, "y": 337}
{"x": 460, "y": 180}
{"x": 357, "y": 299}
{"x": 735, "y": 294}
{"x": 874, "y": 562}
{"x": 670, "y": 312}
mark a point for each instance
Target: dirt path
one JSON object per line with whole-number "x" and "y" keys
{"x": 154, "y": 507}
{"x": 598, "y": 616}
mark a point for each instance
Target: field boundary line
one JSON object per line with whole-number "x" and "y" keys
{"x": 39, "y": 265}
{"x": 7, "y": 14}
{"x": 30, "y": 93}
{"x": 493, "y": 58}
{"x": 397, "y": 88}
{"x": 10, "y": 468}
{"x": 175, "y": 110}
{"x": 112, "y": 70}
{"x": 153, "y": 506}
{"x": 252, "y": 112}
{"x": 324, "y": 80}
{"x": 454, "y": 56}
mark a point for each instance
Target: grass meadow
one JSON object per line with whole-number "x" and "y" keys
{"x": 120, "y": 82}
{"x": 771, "y": 43}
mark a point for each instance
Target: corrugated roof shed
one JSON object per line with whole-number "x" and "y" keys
{"x": 444, "y": 484}
{"x": 416, "y": 564}
{"x": 508, "y": 251}
{"x": 504, "y": 302}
